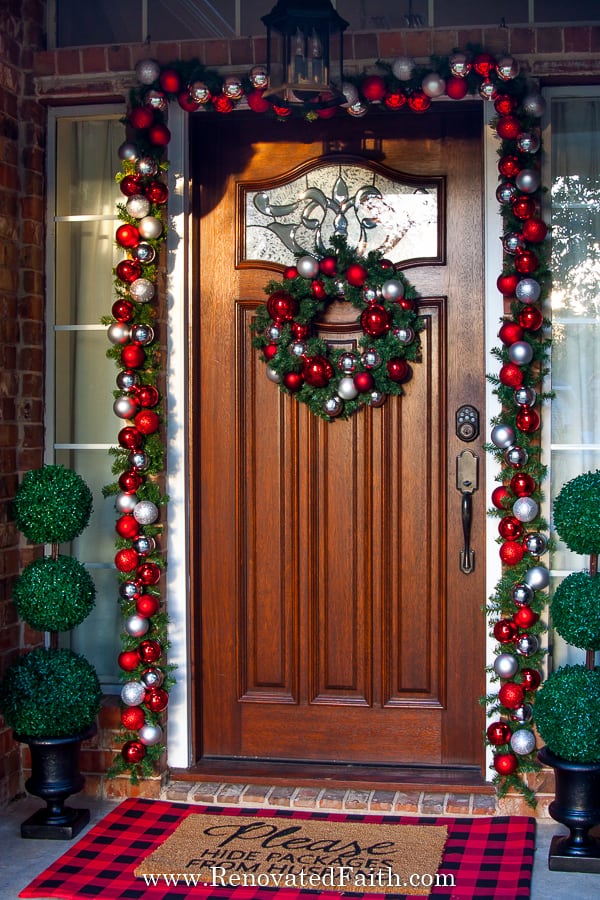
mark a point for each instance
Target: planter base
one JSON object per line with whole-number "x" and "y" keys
{"x": 64, "y": 827}
{"x": 562, "y": 859}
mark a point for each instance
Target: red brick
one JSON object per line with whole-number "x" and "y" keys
{"x": 366, "y": 46}
{"x": 67, "y": 62}
{"x": 577, "y": 39}
{"x": 550, "y": 40}
{"x": 93, "y": 59}
{"x": 217, "y": 53}
{"x": 522, "y": 40}
{"x": 118, "y": 59}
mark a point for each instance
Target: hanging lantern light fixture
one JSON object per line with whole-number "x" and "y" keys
{"x": 301, "y": 75}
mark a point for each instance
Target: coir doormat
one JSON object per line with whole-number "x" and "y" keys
{"x": 481, "y": 857}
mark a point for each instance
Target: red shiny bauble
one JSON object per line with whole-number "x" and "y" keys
{"x": 499, "y": 495}
{"x": 256, "y": 101}
{"x": 506, "y": 763}
{"x": 130, "y": 481}
{"x": 364, "y": 381}
{"x": 505, "y": 104}
{"x": 406, "y": 303}
{"x": 270, "y": 351}
{"x": 525, "y": 617}
{"x": 130, "y": 185}
{"x": 141, "y": 117}
{"x": 148, "y": 573}
{"x": 419, "y": 102}
{"x": 508, "y": 127}
{"x": 528, "y": 420}
{"x": 531, "y": 318}
{"x": 510, "y": 375}
{"x": 132, "y": 356}
{"x": 505, "y": 631}
{"x": 170, "y": 81}
{"x": 187, "y": 102}
{"x": 300, "y": 330}
{"x": 317, "y": 371}
{"x": 147, "y": 396}
{"x": 484, "y": 64}
{"x": 373, "y": 88}
{"x": 290, "y": 273}
{"x": 222, "y": 104}
{"x": 510, "y": 695}
{"x": 133, "y": 718}
{"x": 456, "y": 87}
{"x": 133, "y": 751}
{"x": 147, "y": 421}
{"x": 147, "y": 605}
{"x": 534, "y": 230}
{"x": 159, "y": 135}
{"x": 328, "y": 266}
{"x": 157, "y": 192}
{"x": 498, "y": 733}
{"x": 526, "y": 262}
{"x": 128, "y": 270}
{"x": 375, "y": 320}
{"x": 398, "y": 370}
{"x": 356, "y": 275}
{"x": 530, "y": 679}
{"x": 326, "y": 112}
{"x": 130, "y": 438}
{"x": 129, "y": 660}
{"x": 511, "y": 553}
{"x": 510, "y": 528}
{"x": 126, "y": 560}
{"x": 156, "y": 699}
{"x": 510, "y": 332}
{"x": 123, "y": 310}
{"x": 507, "y": 284}
{"x": 509, "y": 166}
{"x": 127, "y": 527}
{"x": 318, "y": 289}
{"x": 149, "y": 651}
{"x": 282, "y": 111}
{"x": 281, "y": 305}
{"x": 394, "y": 100}
{"x": 523, "y": 208}
{"x": 522, "y": 484}
{"x": 293, "y": 381}
{"x": 127, "y": 236}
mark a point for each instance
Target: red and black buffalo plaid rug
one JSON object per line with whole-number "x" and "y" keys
{"x": 486, "y": 857}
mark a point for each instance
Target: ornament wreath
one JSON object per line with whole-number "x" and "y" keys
{"x": 338, "y": 382}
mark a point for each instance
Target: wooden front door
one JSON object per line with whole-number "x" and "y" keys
{"x": 332, "y": 621}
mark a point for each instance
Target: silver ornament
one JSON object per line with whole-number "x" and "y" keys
{"x": 433, "y": 85}
{"x": 340, "y": 288}
{"x": 347, "y": 389}
{"x": 138, "y": 460}
{"x": 150, "y": 227}
{"x": 505, "y": 192}
{"x": 520, "y": 353}
{"x": 274, "y": 333}
{"x": 523, "y": 741}
{"x": 145, "y": 512}
{"x": 534, "y": 105}
{"x": 521, "y": 594}
{"x": 156, "y": 99}
{"x": 371, "y": 358}
{"x": 402, "y": 67}
{"x": 347, "y": 362}
{"x": 377, "y": 399}
{"x": 528, "y": 290}
{"x": 460, "y": 65}
{"x": 144, "y": 252}
{"x": 525, "y": 396}
{"x": 405, "y": 335}
{"x": 150, "y": 735}
{"x": 528, "y": 142}
{"x": 144, "y": 545}
{"x": 141, "y": 290}
{"x": 147, "y": 71}
{"x": 507, "y": 68}
{"x": 136, "y": 626}
{"x": 127, "y": 381}
{"x": 125, "y": 503}
{"x": 298, "y": 348}
{"x": 146, "y": 166}
{"x": 128, "y": 590}
{"x": 133, "y": 693}
{"x": 350, "y": 92}
{"x": 152, "y": 677}
{"x": 358, "y": 109}
{"x": 137, "y": 206}
{"x": 503, "y": 436}
{"x": 199, "y": 92}
{"x": 142, "y": 334}
{"x": 527, "y": 644}
{"x": 259, "y": 77}
{"x": 273, "y": 376}
{"x": 513, "y": 242}
{"x": 488, "y": 90}
{"x": 538, "y": 578}
{"x": 128, "y": 151}
{"x": 370, "y": 294}
{"x": 515, "y": 457}
{"x": 392, "y": 289}
{"x": 522, "y": 715}
{"x": 528, "y": 180}
{"x": 535, "y": 543}
{"x": 125, "y": 407}
{"x": 525, "y": 509}
{"x": 307, "y": 266}
{"x": 506, "y": 665}
{"x": 232, "y": 87}
{"x": 118, "y": 333}
{"x": 333, "y": 406}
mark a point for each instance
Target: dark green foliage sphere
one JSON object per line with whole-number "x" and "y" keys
{"x": 575, "y": 610}
{"x": 52, "y": 505}
{"x": 567, "y": 713}
{"x": 577, "y": 513}
{"x": 54, "y": 594}
{"x": 50, "y": 693}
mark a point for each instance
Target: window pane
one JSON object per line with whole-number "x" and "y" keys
{"x": 84, "y": 383}
{"x": 85, "y": 257}
{"x": 100, "y": 22}
{"x": 86, "y": 158}
{"x": 97, "y": 637}
{"x": 181, "y": 20}
{"x": 494, "y": 12}
{"x": 96, "y": 544}
{"x": 558, "y": 11}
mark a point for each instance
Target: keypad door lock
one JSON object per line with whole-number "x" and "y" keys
{"x": 467, "y": 423}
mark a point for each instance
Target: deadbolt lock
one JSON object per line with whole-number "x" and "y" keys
{"x": 467, "y": 423}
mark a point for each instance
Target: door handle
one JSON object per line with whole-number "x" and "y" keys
{"x": 467, "y": 482}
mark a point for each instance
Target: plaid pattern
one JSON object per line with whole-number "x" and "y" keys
{"x": 488, "y": 857}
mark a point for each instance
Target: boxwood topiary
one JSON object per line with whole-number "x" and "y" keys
{"x": 52, "y": 505}
{"x": 577, "y": 513}
{"x": 575, "y": 610}
{"x": 567, "y": 713}
{"x": 50, "y": 693}
{"x": 54, "y": 594}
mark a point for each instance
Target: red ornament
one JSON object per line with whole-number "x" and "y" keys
{"x": 317, "y": 371}
{"x": 456, "y": 87}
{"x": 505, "y": 631}
{"x": 149, "y": 651}
{"x": 123, "y": 310}
{"x": 328, "y": 266}
{"x": 531, "y": 318}
{"x": 170, "y": 81}
{"x": 282, "y": 111}
{"x": 419, "y": 102}
{"x": 506, "y": 763}
{"x": 523, "y": 208}
{"x": 293, "y": 381}
{"x": 528, "y": 420}
{"x": 130, "y": 438}
{"x": 356, "y": 275}
{"x": 373, "y": 88}
{"x": 364, "y": 381}
{"x": 511, "y": 553}
{"x": 133, "y": 751}
{"x": 281, "y": 305}
{"x": 257, "y": 102}
{"x": 300, "y": 331}
{"x": 156, "y": 699}
{"x": 498, "y": 733}
{"x": 222, "y": 104}
{"x": 505, "y": 104}
{"x": 130, "y": 481}
{"x": 526, "y": 262}
{"x": 147, "y": 396}
{"x": 375, "y": 320}
{"x": 290, "y": 273}
{"x": 127, "y": 236}
{"x": 318, "y": 289}
{"x": 399, "y": 370}
{"x": 187, "y": 102}
{"x": 132, "y": 356}
{"x": 326, "y": 112}
{"x": 522, "y": 484}
{"x": 507, "y": 284}
{"x": 147, "y": 421}
{"x": 147, "y": 605}
{"x": 128, "y": 270}
{"x": 511, "y": 375}
{"x": 157, "y": 192}
{"x": 484, "y": 64}
{"x": 130, "y": 185}
{"x": 270, "y": 351}
{"x": 141, "y": 117}
{"x": 133, "y": 718}
{"x": 127, "y": 527}
{"x": 128, "y": 660}
{"x": 510, "y": 332}
{"x": 394, "y": 100}
{"x": 126, "y": 560}
{"x": 406, "y": 303}
{"x": 508, "y": 127}
{"x": 510, "y": 695}
{"x": 525, "y": 617}
{"x": 509, "y": 166}
{"x": 148, "y": 573}
{"x": 510, "y": 528}
{"x": 531, "y": 679}
{"x": 159, "y": 135}
{"x": 499, "y": 495}
{"x": 534, "y": 230}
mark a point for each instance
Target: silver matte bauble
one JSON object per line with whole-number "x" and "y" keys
{"x": 505, "y": 192}
{"x": 525, "y": 509}
{"x": 144, "y": 545}
{"x": 522, "y": 741}
{"x": 528, "y": 142}
{"x": 513, "y": 242}
{"x": 199, "y": 92}
{"x": 535, "y": 543}
{"x": 152, "y": 678}
{"x": 137, "y": 206}
{"x": 150, "y": 735}
{"x": 460, "y": 65}
{"x": 528, "y": 290}
{"x": 273, "y": 376}
{"x": 507, "y": 68}
{"x": 133, "y": 693}
{"x": 146, "y": 167}
{"x": 405, "y": 335}
{"x": 403, "y": 67}
{"x": 515, "y": 457}
{"x": 534, "y": 105}
{"x": 538, "y": 578}
{"x": 118, "y": 333}
{"x": 144, "y": 252}
{"x": 347, "y": 389}
{"x": 156, "y": 99}
{"x": 142, "y": 334}
{"x": 527, "y": 644}
{"x": 128, "y": 590}
{"x": 358, "y": 110}
{"x": 528, "y": 180}
{"x": 371, "y": 358}
{"x": 433, "y": 85}
{"x": 136, "y": 626}
{"x": 520, "y": 353}
{"x": 307, "y": 266}
{"x": 347, "y": 363}
{"x": 147, "y": 71}
{"x": 525, "y": 396}
{"x": 259, "y": 77}
{"x": 350, "y": 92}
{"x": 522, "y": 715}
{"x": 145, "y": 512}
{"x": 392, "y": 289}
{"x": 232, "y": 87}
{"x": 488, "y": 90}
{"x": 128, "y": 151}
{"x": 127, "y": 381}
{"x": 298, "y": 348}
{"x": 125, "y": 407}
{"x": 138, "y": 460}
{"x": 506, "y": 665}
{"x": 503, "y": 436}
{"x": 125, "y": 503}
{"x": 141, "y": 290}
{"x": 150, "y": 228}
{"x": 333, "y": 406}
{"x": 521, "y": 594}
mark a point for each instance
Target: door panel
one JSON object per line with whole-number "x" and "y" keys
{"x": 332, "y": 620}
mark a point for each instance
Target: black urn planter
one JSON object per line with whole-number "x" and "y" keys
{"x": 576, "y": 805}
{"x": 55, "y": 776}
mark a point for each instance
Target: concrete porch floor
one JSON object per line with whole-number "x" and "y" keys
{"x": 21, "y": 860}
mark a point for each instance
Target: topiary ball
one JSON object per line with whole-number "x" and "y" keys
{"x": 50, "y": 693}
{"x": 567, "y": 713}
{"x": 52, "y": 505}
{"x": 575, "y": 610}
{"x": 54, "y": 594}
{"x": 577, "y": 513}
